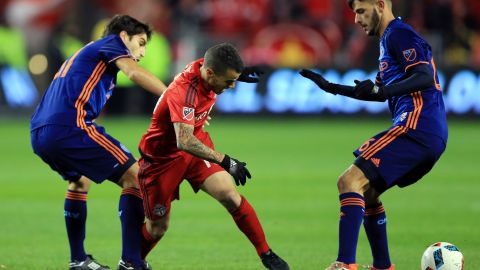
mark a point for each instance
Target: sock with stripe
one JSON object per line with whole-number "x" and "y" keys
{"x": 148, "y": 242}
{"x": 375, "y": 224}
{"x": 352, "y": 208}
{"x": 247, "y": 221}
{"x": 130, "y": 210}
{"x": 75, "y": 212}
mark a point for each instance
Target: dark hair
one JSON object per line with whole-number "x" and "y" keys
{"x": 350, "y": 2}
{"x": 222, "y": 57}
{"x": 128, "y": 24}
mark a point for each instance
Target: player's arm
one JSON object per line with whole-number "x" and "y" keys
{"x": 418, "y": 78}
{"x": 140, "y": 76}
{"x": 187, "y": 142}
{"x": 362, "y": 90}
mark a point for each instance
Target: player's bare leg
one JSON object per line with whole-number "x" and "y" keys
{"x": 75, "y": 212}
{"x": 130, "y": 209}
{"x": 220, "y": 186}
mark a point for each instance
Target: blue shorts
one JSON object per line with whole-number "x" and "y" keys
{"x": 398, "y": 156}
{"x": 74, "y": 152}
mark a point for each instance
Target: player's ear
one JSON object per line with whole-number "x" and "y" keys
{"x": 210, "y": 73}
{"x": 381, "y": 5}
{"x": 124, "y": 35}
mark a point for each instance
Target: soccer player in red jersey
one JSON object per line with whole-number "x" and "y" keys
{"x": 176, "y": 147}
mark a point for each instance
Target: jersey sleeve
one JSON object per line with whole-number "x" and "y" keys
{"x": 114, "y": 49}
{"x": 408, "y": 48}
{"x": 181, "y": 104}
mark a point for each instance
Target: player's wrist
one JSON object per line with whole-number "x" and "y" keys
{"x": 225, "y": 163}
{"x": 379, "y": 91}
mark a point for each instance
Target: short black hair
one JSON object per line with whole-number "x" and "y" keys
{"x": 350, "y": 2}
{"x": 222, "y": 57}
{"x": 128, "y": 24}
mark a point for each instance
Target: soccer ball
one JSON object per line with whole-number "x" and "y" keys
{"x": 442, "y": 256}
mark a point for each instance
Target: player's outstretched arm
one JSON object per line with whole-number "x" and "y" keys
{"x": 363, "y": 90}
{"x": 187, "y": 142}
{"x": 141, "y": 76}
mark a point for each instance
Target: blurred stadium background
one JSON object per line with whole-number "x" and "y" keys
{"x": 296, "y": 138}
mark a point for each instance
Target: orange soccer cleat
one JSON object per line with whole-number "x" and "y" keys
{"x": 342, "y": 266}
{"x": 369, "y": 267}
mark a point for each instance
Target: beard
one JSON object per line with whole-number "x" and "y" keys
{"x": 375, "y": 24}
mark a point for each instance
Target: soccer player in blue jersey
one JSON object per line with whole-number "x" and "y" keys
{"x": 64, "y": 134}
{"x": 402, "y": 154}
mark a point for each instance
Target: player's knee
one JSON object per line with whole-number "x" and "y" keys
{"x": 230, "y": 199}
{"x": 129, "y": 178}
{"x": 371, "y": 197}
{"x": 342, "y": 182}
{"x": 128, "y": 182}
{"x": 159, "y": 229}
{"x": 82, "y": 185}
{"x": 347, "y": 183}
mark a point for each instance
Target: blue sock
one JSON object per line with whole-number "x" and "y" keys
{"x": 375, "y": 224}
{"x": 131, "y": 214}
{"x": 352, "y": 208}
{"x": 75, "y": 212}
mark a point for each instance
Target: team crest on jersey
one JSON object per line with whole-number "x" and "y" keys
{"x": 188, "y": 113}
{"x": 160, "y": 210}
{"x": 410, "y": 54}
{"x": 383, "y": 65}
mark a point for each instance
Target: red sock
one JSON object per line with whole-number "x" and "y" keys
{"x": 247, "y": 221}
{"x": 148, "y": 242}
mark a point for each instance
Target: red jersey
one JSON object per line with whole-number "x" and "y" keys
{"x": 186, "y": 100}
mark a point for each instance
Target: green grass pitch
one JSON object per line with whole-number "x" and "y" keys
{"x": 294, "y": 162}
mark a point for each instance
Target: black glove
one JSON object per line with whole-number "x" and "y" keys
{"x": 248, "y": 72}
{"x": 237, "y": 169}
{"x": 318, "y": 80}
{"x": 367, "y": 90}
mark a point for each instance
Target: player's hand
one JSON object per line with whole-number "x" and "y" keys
{"x": 237, "y": 169}
{"x": 367, "y": 90}
{"x": 318, "y": 80}
{"x": 251, "y": 74}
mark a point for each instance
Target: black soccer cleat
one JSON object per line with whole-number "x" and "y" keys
{"x": 123, "y": 265}
{"x": 89, "y": 264}
{"x": 271, "y": 261}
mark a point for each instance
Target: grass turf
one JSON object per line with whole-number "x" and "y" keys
{"x": 294, "y": 163}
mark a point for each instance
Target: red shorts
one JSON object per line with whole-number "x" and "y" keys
{"x": 160, "y": 180}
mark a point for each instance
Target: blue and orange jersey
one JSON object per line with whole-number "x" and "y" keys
{"x": 82, "y": 86}
{"x": 402, "y": 48}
